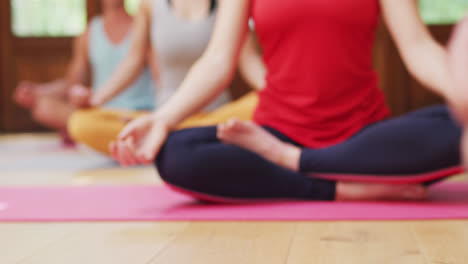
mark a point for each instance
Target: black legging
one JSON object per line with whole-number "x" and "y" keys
{"x": 422, "y": 141}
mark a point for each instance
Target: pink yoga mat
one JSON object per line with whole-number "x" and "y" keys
{"x": 158, "y": 203}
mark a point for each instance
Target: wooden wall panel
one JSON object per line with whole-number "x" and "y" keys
{"x": 403, "y": 92}
{"x": 419, "y": 95}
{"x": 37, "y": 67}
{"x": 392, "y": 73}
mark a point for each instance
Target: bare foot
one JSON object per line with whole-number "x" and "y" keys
{"x": 66, "y": 139}
{"x": 348, "y": 191}
{"x": 252, "y": 137}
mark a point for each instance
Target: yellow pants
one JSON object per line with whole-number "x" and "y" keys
{"x": 96, "y": 128}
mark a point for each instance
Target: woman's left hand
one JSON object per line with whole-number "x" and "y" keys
{"x": 79, "y": 96}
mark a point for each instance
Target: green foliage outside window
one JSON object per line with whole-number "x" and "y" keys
{"x": 54, "y": 18}
{"x": 132, "y": 6}
{"x": 443, "y": 11}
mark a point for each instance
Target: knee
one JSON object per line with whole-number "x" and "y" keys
{"x": 184, "y": 160}
{"x": 437, "y": 111}
{"x": 168, "y": 162}
{"x": 176, "y": 165}
{"x": 94, "y": 128}
{"x": 84, "y": 127}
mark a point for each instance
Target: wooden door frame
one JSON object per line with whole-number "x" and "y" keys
{"x": 93, "y": 8}
{"x": 5, "y": 55}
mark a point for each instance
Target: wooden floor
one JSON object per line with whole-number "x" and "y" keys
{"x": 413, "y": 242}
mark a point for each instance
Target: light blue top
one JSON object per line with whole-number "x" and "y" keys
{"x": 105, "y": 56}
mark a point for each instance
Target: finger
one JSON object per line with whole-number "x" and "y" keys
{"x": 220, "y": 132}
{"x": 113, "y": 150}
{"x": 131, "y": 155}
{"x": 119, "y": 153}
{"x": 122, "y": 152}
{"x": 232, "y": 122}
{"x": 76, "y": 100}
{"x": 130, "y": 129}
{"x": 222, "y": 127}
{"x": 115, "y": 153}
{"x": 127, "y": 153}
{"x": 94, "y": 101}
{"x": 142, "y": 158}
{"x": 78, "y": 88}
{"x": 152, "y": 147}
{"x": 84, "y": 99}
{"x": 125, "y": 118}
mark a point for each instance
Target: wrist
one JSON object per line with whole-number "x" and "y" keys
{"x": 454, "y": 98}
{"x": 163, "y": 121}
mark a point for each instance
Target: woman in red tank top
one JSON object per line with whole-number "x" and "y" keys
{"x": 322, "y": 120}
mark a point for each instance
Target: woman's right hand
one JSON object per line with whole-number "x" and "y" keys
{"x": 79, "y": 95}
{"x": 140, "y": 141}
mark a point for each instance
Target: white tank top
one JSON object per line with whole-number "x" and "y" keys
{"x": 178, "y": 44}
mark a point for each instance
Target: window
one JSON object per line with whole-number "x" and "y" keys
{"x": 48, "y": 18}
{"x": 132, "y": 6}
{"x": 443, "y": 11}
{"x": 53, "y": 18}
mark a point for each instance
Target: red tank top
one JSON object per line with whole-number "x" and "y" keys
{"x": 321, "y": 85}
